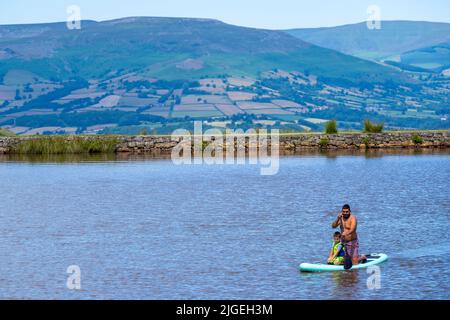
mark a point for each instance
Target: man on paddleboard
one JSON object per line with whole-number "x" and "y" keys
{"x": 348, "y": 223}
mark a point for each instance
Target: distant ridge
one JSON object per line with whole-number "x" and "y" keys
{"x": 394, "y": 37}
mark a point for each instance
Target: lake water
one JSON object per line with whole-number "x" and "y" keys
{"x": 147, "y": 229}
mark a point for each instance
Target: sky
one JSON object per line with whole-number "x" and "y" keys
{"x": 269, "y": 14}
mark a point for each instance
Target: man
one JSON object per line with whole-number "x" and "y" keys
{"x": 348, "y": 224}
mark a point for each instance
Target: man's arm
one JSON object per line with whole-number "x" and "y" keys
{"x": 336, "y": 223}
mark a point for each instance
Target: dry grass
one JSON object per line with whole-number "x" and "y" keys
{"x": 66, "y": 145}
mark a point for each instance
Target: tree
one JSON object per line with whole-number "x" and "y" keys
{"x": 331, "y": 127}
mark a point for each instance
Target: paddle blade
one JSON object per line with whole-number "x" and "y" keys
{"x": 348, "y": 264}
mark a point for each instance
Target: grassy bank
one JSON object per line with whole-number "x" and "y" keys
{"x": 66, "y": 145}
{"x": 6, "y": 133}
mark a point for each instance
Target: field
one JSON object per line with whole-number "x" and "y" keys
{"x": 197, "y": 114}
{"x": 229, "y": 109}
{"x": 292, "y": 100}
{"x": 194, "y": 107}
{"x": 286, "y": 104}
{"x": 256, "y": 105}
{"x": 193, "y": 99}
{"x": 241, "y": 96}
{"x": 315, "y": 121}
{"x": 137, "y": 102}
{"x": 108, "y": 102}
{"x": 268, "y": 111}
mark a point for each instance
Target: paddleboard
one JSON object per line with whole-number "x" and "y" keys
{"x": 372, "y": 259}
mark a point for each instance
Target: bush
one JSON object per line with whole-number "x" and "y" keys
{"x": 370, "y": 127}
{"x": 365, "y": 141}
{"x": 416, "y": 139}
{"x": 323, "y": 143}
{"x": 331, "y": 127}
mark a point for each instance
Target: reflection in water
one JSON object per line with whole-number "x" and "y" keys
{"x": 58, "y": 158}
{"x": 345, "y": 279}
{"x": 346, "y": 284}
{"x": 329, "y": 154}
{"x": 73, "y": 158}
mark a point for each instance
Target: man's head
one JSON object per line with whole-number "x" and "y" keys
{"x": 337, "y": 236}
{"x": 346, "y": 211}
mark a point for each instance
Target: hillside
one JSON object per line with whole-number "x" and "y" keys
{"x": 170, "y": 48}
{"x": 394, "y": 38}
{"x": 436, "y": 57}
{"x": 155, "y": 75}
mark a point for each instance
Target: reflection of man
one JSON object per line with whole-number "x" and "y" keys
{"x": 348, "y": 224}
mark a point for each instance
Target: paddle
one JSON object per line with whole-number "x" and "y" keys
{"x": 348, "y": 263}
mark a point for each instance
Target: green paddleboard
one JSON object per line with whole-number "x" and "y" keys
{"x": 372, "y": 260}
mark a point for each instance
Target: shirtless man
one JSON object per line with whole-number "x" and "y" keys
{"x": 348, "y": 224}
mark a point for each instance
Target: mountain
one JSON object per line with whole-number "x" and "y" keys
{"x": 170, "y": 48}
{"x": 436, "y": 57}
{"x": 393, "y": 39}
{"x": 160, "y": 74}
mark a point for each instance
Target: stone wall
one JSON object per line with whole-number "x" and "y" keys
{"x": 164, "y": 144}
{"x": 422, "y": 139}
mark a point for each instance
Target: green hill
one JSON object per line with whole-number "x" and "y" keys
{"x": 435, "y": 57}
{"x": 171, "y": 48}
{"x": 394, "y": 38}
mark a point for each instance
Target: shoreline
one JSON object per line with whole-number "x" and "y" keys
{"x": 292, "y": 142}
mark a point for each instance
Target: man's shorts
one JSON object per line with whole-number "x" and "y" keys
{"x": 352, "y": 248}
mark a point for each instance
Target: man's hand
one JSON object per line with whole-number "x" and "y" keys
{"x": 338, "y": 220}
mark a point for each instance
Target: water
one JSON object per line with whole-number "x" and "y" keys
{"x": 146, "y": 229}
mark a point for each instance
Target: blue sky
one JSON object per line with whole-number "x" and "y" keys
{"x": 272, "y": 14}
